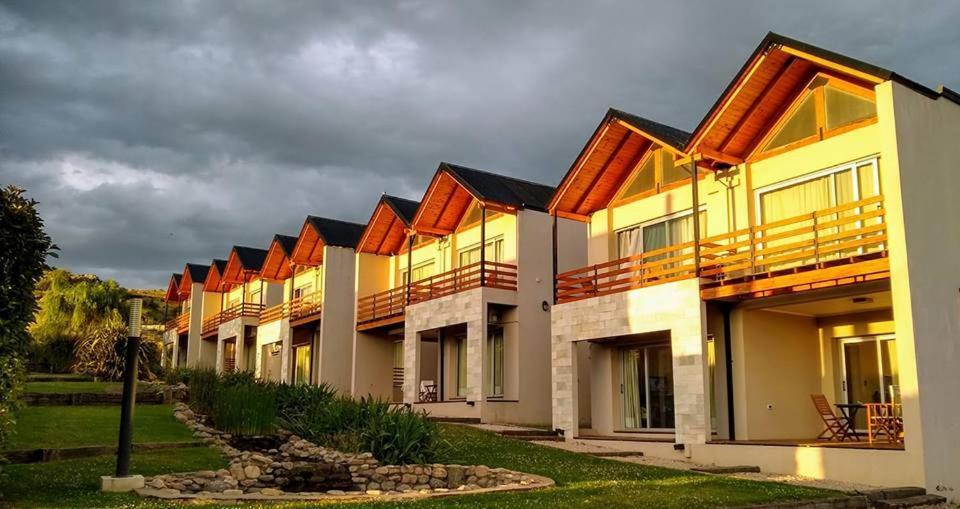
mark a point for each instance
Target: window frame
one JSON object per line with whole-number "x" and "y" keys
{"x": 659, "y": 186}
{"x": 662, "y": 219}
{"x": 757, "y": 152}
{"x": 476, "y": 246}
{"x": 495, "y": 361}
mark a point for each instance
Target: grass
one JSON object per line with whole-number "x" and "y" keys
{"x": 72, "y": 426}
{"x": 582, "y": 481}
{"x": 74, "y": 387}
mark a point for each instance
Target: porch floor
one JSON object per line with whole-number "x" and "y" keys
{"x": 813, "y": 442}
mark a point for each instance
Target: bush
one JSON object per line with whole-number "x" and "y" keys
{"x": 102, "y": 353}
{"x": 401, "y": 436}
{"x": 25, "y": 247}
{"x": 203, "y": 384}
{"x": 52, "y": 356}
{"x": 242, "y": 406}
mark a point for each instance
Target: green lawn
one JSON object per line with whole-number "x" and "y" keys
{"x": 582, "y": 481}
{"x": 71, "y": 426}
{"x": 74, "y": 387}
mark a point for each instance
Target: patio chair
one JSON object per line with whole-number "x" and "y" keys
{"x": 836, "y": 426}
{"x": 428, "y": 391}
{"x": 884, "y": 421}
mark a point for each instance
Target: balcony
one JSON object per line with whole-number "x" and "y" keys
{"x": 181, "y": 323}
{"x": 387, "y": 307}
{"x": 830, "y": 247}
{"x": 212, "y": 324}
{"x": 303, "y": 307}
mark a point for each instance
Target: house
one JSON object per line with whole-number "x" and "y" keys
{"x": 813, "y": 251}
{"x": 381, "y": 277}
{"x": 453, "y": 293}
{"x": 182, "y": 333}
{"x": 308, "y": 336}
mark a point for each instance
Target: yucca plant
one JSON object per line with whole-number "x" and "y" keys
{"x": 402, "y": 436}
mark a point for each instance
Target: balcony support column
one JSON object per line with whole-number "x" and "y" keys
{"x": 483, "y": 244}
{"x": 410, "y": 238}
{"x": 695, "y": 191}
{"x": 554, "y": 255}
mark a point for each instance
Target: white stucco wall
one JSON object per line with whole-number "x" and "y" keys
{"x": 333, "y": 359}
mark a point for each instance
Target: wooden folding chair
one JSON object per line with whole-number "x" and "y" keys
{"x": 883, "y": 420}
{"x": 835, "y": 427}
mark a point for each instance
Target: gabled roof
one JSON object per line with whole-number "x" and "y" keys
{"x": 173, "y": 288}
{"x": 617, "y": 146}
{"x": 321, "y": 231}
{"x": 214, "y": 280}
{"x": 276, "y": 266}
{"x": 243, "y": 264}
{"x": 387, "y": 228}
{"x": 454, "y": 188}
{"x": 767, "y": 82}
{"x": 192, "y": 273}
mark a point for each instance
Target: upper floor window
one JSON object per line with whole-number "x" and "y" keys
{"x": 302, "y": 290}
{"x": 471, "y": 255}
{"x": 658, "y": 234}
{"x": 827, "y": 106}
{"x": 657, "y": 171}
{"x": 420, "y": 271}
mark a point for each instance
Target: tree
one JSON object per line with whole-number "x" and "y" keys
{"x": 24, "y": 246}
{"x": 102, "y": 351}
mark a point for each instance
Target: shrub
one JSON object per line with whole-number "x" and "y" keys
{"x": 242, "y": 406}
{"x": 203, "y": 387}
{"x": 102, "y": 353}
{"x": 400, "y": 435}
{"x": 25, "y": 247}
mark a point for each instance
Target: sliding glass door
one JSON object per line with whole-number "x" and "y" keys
{"x": 647, "y": 387}
{"x": 870, "y": 372}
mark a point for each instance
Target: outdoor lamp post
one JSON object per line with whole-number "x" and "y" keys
{"x": 122, "y": 480}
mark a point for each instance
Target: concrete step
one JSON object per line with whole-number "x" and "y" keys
{"x": 915, "y": 501}
{"x": 535, "y": 438}
{"x": 527, "y": 432}
{"x": 894, "y": 493}
{"x": 739, "y": 469}
{"x": 617, "y": 454}
{"x": 455, "y": 420}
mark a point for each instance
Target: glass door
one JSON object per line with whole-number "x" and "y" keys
{"x": 870, "y": 372}
{"x": 647, "y": 387}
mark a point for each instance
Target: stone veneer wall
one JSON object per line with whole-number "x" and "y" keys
{"x": 464, "y": 307}
{"x": 674, "y": 307}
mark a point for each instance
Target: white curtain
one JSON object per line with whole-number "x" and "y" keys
{"x": 631, "y": 389}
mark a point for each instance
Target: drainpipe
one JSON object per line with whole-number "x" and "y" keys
{"x": 726, "y": 308}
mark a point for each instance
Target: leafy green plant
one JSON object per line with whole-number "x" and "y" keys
{"x": 244, "y": 407}
{"x": 102, "y": 352}
{"x": 401, "y": 436}
{"x": 22, "y": 262}
{"x": 203, "y": 388}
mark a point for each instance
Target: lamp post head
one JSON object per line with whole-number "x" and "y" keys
{"x": 133, "y": 321}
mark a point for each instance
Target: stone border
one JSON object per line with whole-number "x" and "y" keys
{"x": 852, "y": 502}
{"x": 347, "y": 496}
{"x": 312, "y": 472}
{"x": 43, "y": 455}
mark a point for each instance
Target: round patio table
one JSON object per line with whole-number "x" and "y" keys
{"x": 849, "y": 413}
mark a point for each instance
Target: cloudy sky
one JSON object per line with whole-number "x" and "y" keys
{"x": 155, "y": 133}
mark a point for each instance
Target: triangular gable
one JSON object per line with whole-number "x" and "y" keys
{"x": 276, "y": 266}
{"x": 620, "y": 143}
{"x": 243, "y": 264}
{"x": 214, "y": 280}
{"x": 173, "y": 288}
{"x": 386, "y": 232}
{"x": 766, "y": 90}
{"x": 192, "y": 273}
{"x": 318, "y": 232}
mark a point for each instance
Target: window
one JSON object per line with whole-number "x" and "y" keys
{"x": 646, "y": 388}
{"x": 301, "y": 368}
{"x": 420, "y": 272}
{"x": 461, "y": 347}
{"x": 255, "y": 295}
{"x": 657, "y": 170}
{"x": 495, "y": 368}
{"x": 658, "y": 234}
{"x": 826, "y": 105}
{"x": 471, "y": 254}
{"x": 819, "y": 191}
{"x": 302, "y": 290}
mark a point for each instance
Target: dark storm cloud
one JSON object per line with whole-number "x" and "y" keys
{"x": 154, "y": 133}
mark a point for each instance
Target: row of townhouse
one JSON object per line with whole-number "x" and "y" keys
{"x": 685, "y": 292}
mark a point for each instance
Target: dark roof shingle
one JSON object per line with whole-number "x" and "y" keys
{"x": 198, "y": 273}
{"x": 502, "y": 189}
{"x": 287, "y": 243}
{"x": 675, "y": 137}
{"x": 404, "y": 208}
{"x": 221, "y": 265}
{"x": 337, "y": 233}
{"x": 251, "y": 258}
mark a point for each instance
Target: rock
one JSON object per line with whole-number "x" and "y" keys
{"x": 336, "y": 492}
{"x": 439, "y": 472}
{"x": 374, "y": 492}
{"x": 409, "y": 479}
{"x": 437, "y": 483}
{"x": 373, "y": 486}
{"x": 233, "y": 493}
{"x": 157, "y": 484}
{"x": 251, "y": 471}
{"x": 236, "y": 470}
{"x": 271, "y": 492}
{"x": 388, "y": 485}
{"x": 404, "y": 488}
{"x": 481, "y": 471}
{"x": 454, "y": 476}
{"x": 216, "y": 486}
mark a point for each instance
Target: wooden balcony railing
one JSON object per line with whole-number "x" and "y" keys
{"x": 495, "y": 275}
{"x": 382, "y": 305}
{"x": 247, "y": 309}
{"x": 391, "y": 303}
{"x": 181, "y": 323}
{"x": 300, "y": 307}
{"x": 846, "y": 233}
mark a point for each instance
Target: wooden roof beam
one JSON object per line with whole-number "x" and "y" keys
{"x": 386, "y": 235}
{"x": 555, "y": 202}
{"x": 603, "y": 168}
{"x": 828, "y": 64}
{"x": 771, "y": 85}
